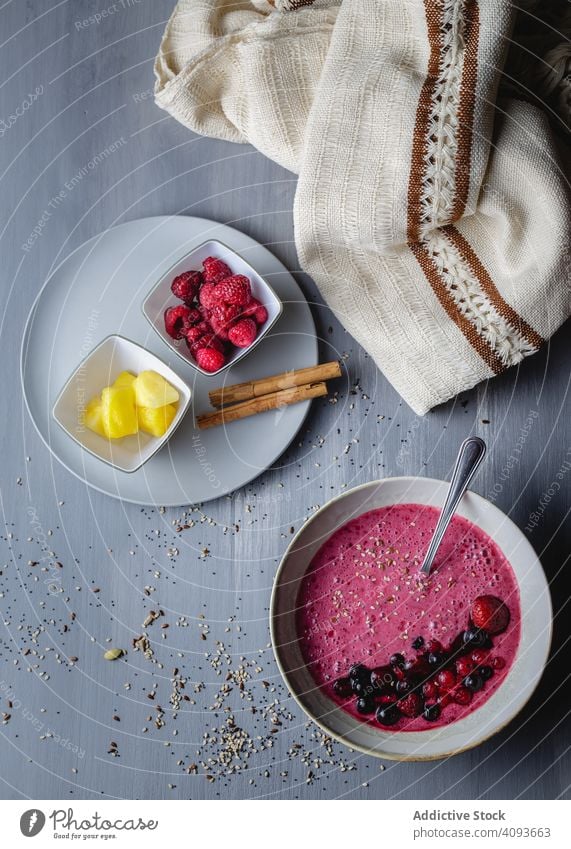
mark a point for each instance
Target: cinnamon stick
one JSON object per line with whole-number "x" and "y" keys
{"x": 270, "y": 401}
{"x": 274, "y": 383}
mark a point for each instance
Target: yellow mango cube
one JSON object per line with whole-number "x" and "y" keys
{"x": 156, "y": 420}
{"x": 118, "y": 411}
{"x": 125, "y": 379}
{"x": 92, "y": 416}
{"x": 152, "y": 390}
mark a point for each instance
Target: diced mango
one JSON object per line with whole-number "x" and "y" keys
{"x": 152, "y": 390}
{"x": 156, "y": 420}
{"x": 118, "y": 411}
{"x": 92, "y": 417}
{"x": 125, "y": 379}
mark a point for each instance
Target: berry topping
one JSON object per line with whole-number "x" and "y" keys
{"x": 411, "y": 705}
{"x": 256, "y": 310}
{"x": 418, "y": 643}
{"x": 215, "y": 270}
{"x": 434, "y": 646}
{"x": 473, "y": 682}
{"x": 233, "y": 290}
{"x": 436, "y": 658}
{"x": 243, "y": 333}
{"x": 431, "y": 712}
{"x": 462, "y": 696}
{"x": 382, "y": 677}
{"x": 359, "y": 672}
{"x": 388, "y": 714}
{"x": 209, "y": 359}
{"x": 366, "y": 704}
{"x": 476, "y": 638}
{"x": 177, "y": 319}
{"x": 446, "y": 679}
{"x": 397, "y": 661}
{"x": 206, "y": 295}
{"x": 186, "y": 286}
{"x": 430, "y": 690}
{"x": 480, "y": 656}
{"x": 342, "y": 688}
{"x": 402, "y": 687}
{"x": 498, "y": 663}
{"x": 491, "y": 613}
{"x": 464, "y": 666}
{"x": 486, "y": 672}
{"x": 360, "y": 688}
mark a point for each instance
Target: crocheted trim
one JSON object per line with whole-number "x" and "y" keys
{"x": 439, "y": 180}
{"x": 438, "y": 190}
{"x": 450, "y": 305}
{"x": 472, "y": 302}
{"x": 291, "y": 5}
{"x": 510, "y": 316}
{"x": 446, "y": 115}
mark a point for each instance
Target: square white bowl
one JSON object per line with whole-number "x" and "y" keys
{"x": 160, "y": 298}
{"x": 99, "y": 369}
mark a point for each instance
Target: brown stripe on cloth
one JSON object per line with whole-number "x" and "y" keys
{"x": 433, "y": 11}
{"x": 480, "y": 345}
{"x": 471, "y": 34}
{"x": 490, "y": 289}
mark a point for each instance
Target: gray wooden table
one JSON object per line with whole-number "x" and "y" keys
{"x": 90, "y": 728}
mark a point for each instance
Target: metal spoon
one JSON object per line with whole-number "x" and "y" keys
{"x": 470, "y": 456}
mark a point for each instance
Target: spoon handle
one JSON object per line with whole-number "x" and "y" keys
{"x": 470, "y": 456}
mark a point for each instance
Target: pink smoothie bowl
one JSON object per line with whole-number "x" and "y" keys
{"x": 435, "y": 742}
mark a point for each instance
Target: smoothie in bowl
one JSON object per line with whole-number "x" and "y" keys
{"x": 394, "y": 647}
{"x": 395, "y": 664}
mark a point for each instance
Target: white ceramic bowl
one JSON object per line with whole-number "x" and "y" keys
{"x": 160, "y": 298}
{"x": 99, "y": 369}
{"x": 498, "y": 710}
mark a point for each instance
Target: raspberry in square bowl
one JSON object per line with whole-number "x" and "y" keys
{"x": 212, "y": 307}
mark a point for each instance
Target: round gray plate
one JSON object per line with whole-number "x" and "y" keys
{"x": 98, "y": 290}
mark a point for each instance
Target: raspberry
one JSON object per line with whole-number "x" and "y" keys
{"x": 195, "y": 334}
{"x": 434, "y": 646}
{"x": 430, "y": 690}
{"x": 206, "y": 295}
{"x": 462, "y": 695}
{"x": 490, "y": 613}
{"x": 210, "y": 360}
{"x": 196, "y": 331}
{"x": 411, "y": 705}
{"x": 224, "y": 313}
{"x": 177, "y": 319}
{"x": 215, "y": 270}
{"x": 480, "y": 656}
{"x": 446, "y": 679}
{"x": 464, "y": 666}
{"x": 210, "y": 340}
{"x": 186, "y": 286}
{"x": 243, "y": 333}
{"x": 219, "y": 329}
{"x": 256, "y": 310}
{"x": 233, "y": 290}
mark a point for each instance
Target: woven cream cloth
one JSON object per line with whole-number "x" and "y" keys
{"x": 432, "y": 216}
